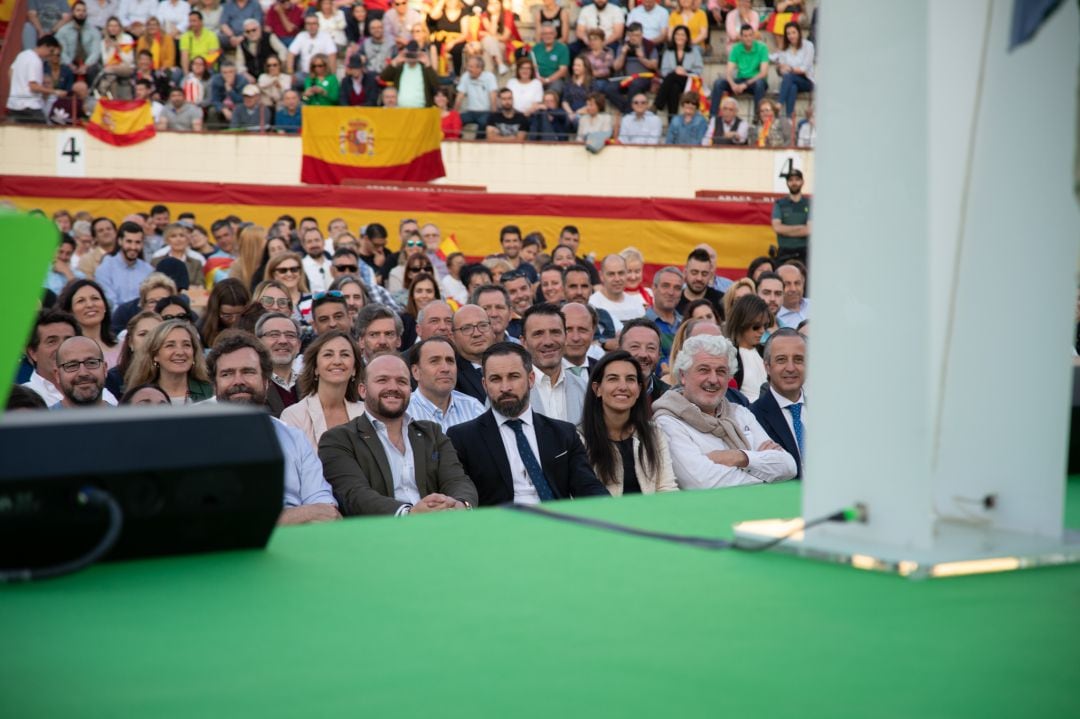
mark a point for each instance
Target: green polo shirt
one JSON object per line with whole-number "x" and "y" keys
{"x": 547, "y": 61}
{"x": 748, "y": 62}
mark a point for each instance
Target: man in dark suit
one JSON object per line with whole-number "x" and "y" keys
{"x": 782, "y": 410}
{"x": 280, "y": 335}
{"x": 513, "y": 454}
{"x": 641, "y": 338}
{"x": 472, "y": 336}
{"x": 384, "y": 462}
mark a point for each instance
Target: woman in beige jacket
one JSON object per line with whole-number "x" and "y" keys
{"x": 329, "y": 396}
{"x": 628, "y": 454}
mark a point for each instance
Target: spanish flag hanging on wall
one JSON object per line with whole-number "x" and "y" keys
{"x": 122, "y": 122}
{"x": 371, "y": 143}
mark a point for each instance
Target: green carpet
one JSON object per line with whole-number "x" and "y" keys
{"x": 495, "y": 613}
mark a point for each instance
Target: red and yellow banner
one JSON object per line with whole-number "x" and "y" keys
{"x": 371, "y": 143}
{"x": 777, "y": 21}
{"x": 121, "y": 122}
{"x": 664, "y": 230}
{"x": 7, "y": 9}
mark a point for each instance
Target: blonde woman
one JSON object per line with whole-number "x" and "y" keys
{"x": 635, "y": 271}
{"x": 251, "y": 244}
{"x": 172, "y": 358}
{"x": 288, "y": 269}
{"x": 744, "y": 286}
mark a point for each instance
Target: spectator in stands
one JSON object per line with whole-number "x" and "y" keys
{"x": 332, "y": 22}
{"x": 359, "y": 87}
{"x": 689, "y": 14}
{"x": 173, "y": 359}
{"x": 285, "y": 19}
{"x": 551, "y": 58}
{"x": 680, "y": 62}
{"x": 329, "y": 312}
{"x": 602, "y": 15}
{"x": 635, "y": 270}
{"x": 79, "y": 373}
{"x": 381, "y": 259}
{"x": 552, "y": 13}
{"x": 138, "y": 329}
{"x": 742, "y": 16}
{"x": 740, "y": 288}
{"x": 356, "y": 27}
{"x": 379, "y": 330}
{"x": 771, "y": 289}
{"x": 527, "y": 90}
{"x": 399, "y": 21}
{"x": 785, "y": 364}
{"x": 472, "y": 335}
{"x": 508, "y": 124}
{"x": 280, "y": 335}
{"x": 117, "y": 62}
{"x": 354, "y": 291}
{"x": 80, "y": 44}
{"x": 667, "y": 290}
{"x": 212, "y": 12}
{"x": 257, "y": 49}
{"x": 791, "y": 221}
{"x": 328, "y": 386}
{"x": 496, "y": 31}
{"x": 449, "y": 119}
{"x": 321, "y": 86}
{"x": 413, "y": 77}
{"x": 196, "y": 84}
{"x": 198, "y": 42}
{"x": 135, "y": 15}
{"x": 702, "y": 309}
{"x": 156, "y": 58}
{"x": 757, "y": 266}
{"x": 612, "y": 297}
{"x": 28, "y": 92}
{"x": 551, "y": 285}
{"x": 550, "y": 122}
{"x": 44, "y": 18}
{"x": 745, "y": 327}
{"x": 642, "y": 339}
{"x": 576, "y": 90}
{"x": 241, "y": 368}
{"x": 475, "y": 276}
{"x": 178, "y": 246}
{"x": 388, "y": 97}
{"x": 495, "y": 301}
{"x": 627, "y": 452}
{"x": 699, "y": 274}
{"x": 173, "y": 16}
{"x": 689, "y": 126}
{"x": 795, "y": 63}
{"x": 51, "y": 329}
{"x": 367, "y": 460}
{"x": 601, "y": 60}
{"x": 517, "y": 285}
{"x": 233, "y": 17}
{"x": 747, "y": 70}
{"x": 728, "y": 128}
{"x": 595, "y": 124}
{"x": 713, "y": 442}
{"x": 273, "y": 83}
{"x": 806, "y": 134}
{"x": 769, "y": 128}
{"x": 227, "y": 302}
{"x": 580, "y": 351}
{"x": 287, "y": 269}
{"x": 251, "y": 249}
{"x": 434, "y": 368}
{"x": 635, "y": 57}
{"x": 104, "y": 232}
{"x": 226, "y": 95}
{"x": 306, "y": 46}
{"x": 654, "y": 20}
{"x": 795, "y": 307}
{"x": 642, "y": 126}
{"x": 555, "y": 393}
{"x": 288, "y": 116}
{"x": 316, "y": 259}
{"x": 476, "y": 94}
{"x": 120, "y": 274}
{"x": 378, "y": 49}
{"x": 84, "y": 240}
{"x": 61, "y": 272}
{"x": 144, "y": 92}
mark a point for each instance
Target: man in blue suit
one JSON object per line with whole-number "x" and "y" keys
{"x": 511, "y": 452}
{"x": 782, "y": 410}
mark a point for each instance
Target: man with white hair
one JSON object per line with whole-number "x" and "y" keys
{"x": 715, "y": 443}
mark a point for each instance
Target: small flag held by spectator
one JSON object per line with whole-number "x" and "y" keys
{"x": 121, "y": 122}
{"x": 447, "y": 247}
{"x": 779, "y": 20}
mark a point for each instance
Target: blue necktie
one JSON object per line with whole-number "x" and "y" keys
{"x": 796, "y": 422}
{"x": 536, "y": 474}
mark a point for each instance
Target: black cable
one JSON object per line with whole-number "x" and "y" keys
{"x": 843, "y": 515}
{"x": 86, "y": 496}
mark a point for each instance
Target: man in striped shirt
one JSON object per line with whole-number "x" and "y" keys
{"x": 434, "y": 367}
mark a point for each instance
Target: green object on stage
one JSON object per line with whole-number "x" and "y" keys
{"x": 495, "y": 613}
{"x": 29, "y": 244}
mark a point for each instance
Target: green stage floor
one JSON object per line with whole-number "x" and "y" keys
{"x": 500, "y": 614}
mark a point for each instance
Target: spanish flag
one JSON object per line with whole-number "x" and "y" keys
{"x": 776, "y": 22}
{"x": 447, "y": 247}
{"x": 371, "y": 143}
{"x": 122, "y": 122}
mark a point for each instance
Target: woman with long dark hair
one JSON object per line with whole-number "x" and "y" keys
{"x": 745, "y": 326}
{"x": 86, "y": 300}
{"x": 627, "y": 452}
{"x": 328, "y": 386}
{"x": 227, "y": 302}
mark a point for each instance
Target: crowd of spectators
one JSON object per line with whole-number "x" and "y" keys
{"x": 595, "y": 73}
{"x": 405, "y": 381}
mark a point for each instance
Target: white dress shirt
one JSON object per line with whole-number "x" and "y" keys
{"x": 754, "y": 375}
{"x": 461, "y": 408}
{"x": 784, "y": 403}
{"x": 630, "y": 307}
{"x": 173, "y": 16}
{"x": 552, "y": 396}
{"x": 402, "y": 464}
{"x": 52, "y": 394}
{"x": 318, "y": 274}
{"x": 694, "y": 470}
{"x": 524, "y": 491}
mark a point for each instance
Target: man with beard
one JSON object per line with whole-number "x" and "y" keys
{"x": 379, "y": 330}
{"x": 699, "y": 276}
{"x": 386, "y": 462}
{"x": 79, "y": 372}
{"x": 121, "y": 274}
{"x": 556, "y": 393}
{"x": 513, "y": 454}
{"x": 791, "y": 221}
{"x": 770, "y": 287}
{"x": 240, "y": 368}
{"x": 280, "y": 335}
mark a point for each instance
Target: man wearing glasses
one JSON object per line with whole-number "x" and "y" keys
{"x": 80, "y": 373}
{"x": 307, "y": 45}
{"x": 280, "y": 334}
{"x": 641, "y": 127}
{"x": 257, "y": 49}
{"x": 398, "y": 23}
{"x": 472, "y": 336}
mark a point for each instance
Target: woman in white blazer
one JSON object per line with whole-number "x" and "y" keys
{"x": 329, "y": 397}
{"x": 628, "y": 454}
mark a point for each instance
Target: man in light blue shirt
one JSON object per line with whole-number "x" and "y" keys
{"x": 476, "y": 93}
{"x": 640, "y": 127}
{"x": 434, "y": 367}
{"x": 121, "y": 274}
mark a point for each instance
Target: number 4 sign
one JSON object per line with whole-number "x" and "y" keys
{"x": 71, "y": 153}
{"x": 783, "y": 164}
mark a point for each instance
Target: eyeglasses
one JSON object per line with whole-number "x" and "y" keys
{"x": 287, "y": 270}
{"x": 73, "y": 365}
{"x": 182, "y": 316}
{"x": 346, "y": 268}
{"x": 251, "y": 31}
{"x": 283, "y": 302}
{"x": 278, "y": 334}
{"x": 420, "y": 268}
{"x": 473, "y": 329}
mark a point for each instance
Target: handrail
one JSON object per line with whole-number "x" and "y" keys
{"x": 12, "y": 47}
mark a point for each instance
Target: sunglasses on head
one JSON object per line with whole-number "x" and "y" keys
{"x": 329, "y": 293}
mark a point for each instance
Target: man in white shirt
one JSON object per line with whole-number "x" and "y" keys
{"x": 434, "y": 368}
{"x": 611, "y": 297}
{"x": 601, "y": 14}
{"x": 307, "y": 45}
{"x": 653, "y": 18}
{"x": 642, "y": 126}
{"x": 782, "y": 410}
{"x": 316, "y": 262}
{"x": 52, "y": 328}
{"x": 26, "y": 97}
{"x": 386, "y": 462}
{"x": 715, "y": 443}
{"x": 80, "y": 374}
{"x": 795, "y": 308}
{"x": 174, "y": 16}
{"x": 555, "y": 392}
{"x": 134, "y": 14}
